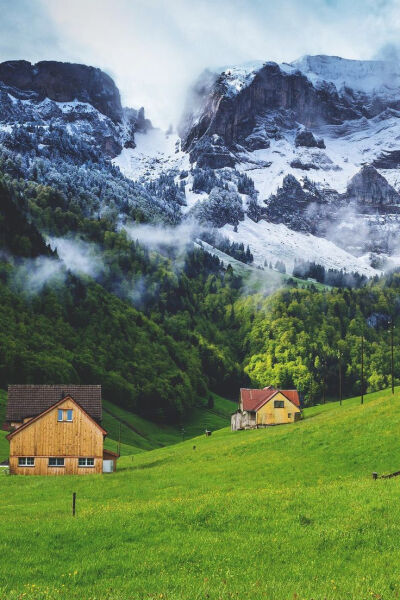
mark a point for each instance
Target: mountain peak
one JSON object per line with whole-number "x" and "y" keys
{"x": 64, "y": 82}
{"x": 361, "y": 75}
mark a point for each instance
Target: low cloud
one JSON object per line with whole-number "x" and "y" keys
{"x": 350, "y": 230}
{"x": 75, "y": 256}
{"x": 78, "y": 257}
{"x": 32, "y": 274}
{"x": 157, "y": 237}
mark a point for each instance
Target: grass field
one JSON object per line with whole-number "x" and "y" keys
{"x": 284, "y": 513}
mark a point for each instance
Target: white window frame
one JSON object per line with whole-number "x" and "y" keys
{"x": 56, "y": 458}
{"x": 64, "y": 413}
{"x": 23, "y": 461}
{"x": 85, "y": 465}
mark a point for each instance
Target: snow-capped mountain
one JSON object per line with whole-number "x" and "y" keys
{"x": 320, "y": 139}
{"x": 296, "y": 160}
{"x": 83, "y": 101}
{"x": 60, "y": 126}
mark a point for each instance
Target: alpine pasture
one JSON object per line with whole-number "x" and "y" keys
{"x": 288, "y": 512}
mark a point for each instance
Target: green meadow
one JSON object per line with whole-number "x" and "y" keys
{"x": 284, "y": 513}
{"x": 140, "y": 435}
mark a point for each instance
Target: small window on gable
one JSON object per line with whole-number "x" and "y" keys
{"x": 64, "y": 415}
{"x": 279, "y": 404}
{"x": 289, "y": 415}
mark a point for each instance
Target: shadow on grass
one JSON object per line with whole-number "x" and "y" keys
{"x": 150, "y": 465}
{"x": 307, "y": 418}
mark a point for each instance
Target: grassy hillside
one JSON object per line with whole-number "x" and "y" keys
{"x": 139, "y": 435}
{"x": 283, "y": 513}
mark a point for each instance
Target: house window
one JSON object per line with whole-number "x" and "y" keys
{"x": 289, "y": 415}
{"x": 26, "y": 461}
{"x": 86, "y": 462}
{"x": 279, "y": 403}
{"x": 64, "y": 415}
{"x": 56, "y": 462}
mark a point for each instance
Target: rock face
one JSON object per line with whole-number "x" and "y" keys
{"x": 63, "y": 82}
{"x": 370, "y": 189}
{"x": 301, "y": 207}
{"x": 239, "y": 105}
{"x": 306, "y": 139}
{"x": 212, "y": 152}
{"x": 82, "y": 100}
{"x": 213, "y": 110}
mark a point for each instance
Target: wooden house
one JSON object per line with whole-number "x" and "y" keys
{"x": 56, "y": 430}
{"x": 269, "y": 406}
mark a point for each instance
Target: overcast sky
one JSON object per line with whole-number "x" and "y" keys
{"x": 155, "y": 48}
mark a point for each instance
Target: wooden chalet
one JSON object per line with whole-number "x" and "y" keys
{"x": 269, "y": 406}
{"x": 56, "y": 430}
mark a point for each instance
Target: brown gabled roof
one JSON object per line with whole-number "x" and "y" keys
{"x": 39, "y": 416}
{"x": 253, "y": 400}
{"x": 31, "y": 400}
{"x": 110, "y": 453}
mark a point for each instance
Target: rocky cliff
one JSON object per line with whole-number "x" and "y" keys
{"x": 63, "y": 82}
{"x": 232, "y": 104}
{"x": 370, "y": 189}
{"x": 84, "y": 101}
{"x": 233, "y": 117}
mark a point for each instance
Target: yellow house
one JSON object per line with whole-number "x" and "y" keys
{"x": 269, "y": 406}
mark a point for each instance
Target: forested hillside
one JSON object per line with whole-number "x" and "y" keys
{"x": 304, "y": 337}
{"x": 157, "y": 362}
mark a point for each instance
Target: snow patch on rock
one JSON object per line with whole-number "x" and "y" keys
{"x": 155, "y": 152}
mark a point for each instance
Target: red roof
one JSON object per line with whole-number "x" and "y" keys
{"x": 292, "y": 395}
{"x": 252, "y": 400}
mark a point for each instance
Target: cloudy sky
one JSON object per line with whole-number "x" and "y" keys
{"x": 155, "y": 48}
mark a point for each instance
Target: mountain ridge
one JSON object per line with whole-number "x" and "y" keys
{"x": 319, "y": 159}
